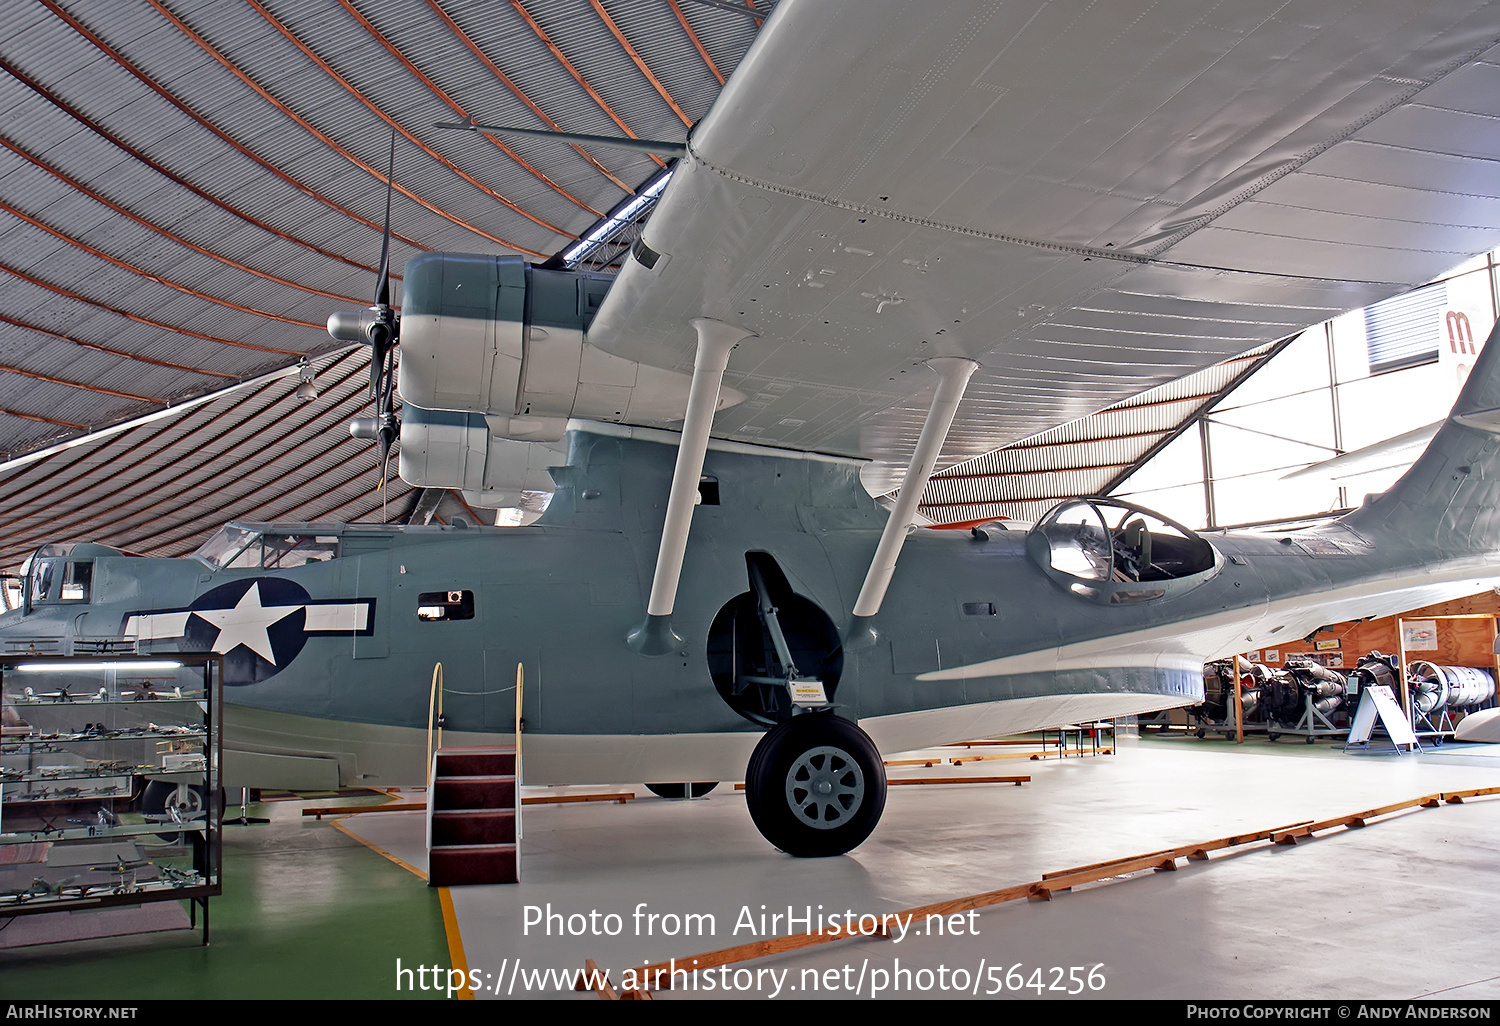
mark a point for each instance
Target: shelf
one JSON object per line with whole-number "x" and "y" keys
{"x": 71, "y": 774}
{"x": 21, "y": 702}
{"x": 131, "y": 735}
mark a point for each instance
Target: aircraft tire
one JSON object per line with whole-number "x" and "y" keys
{"x": 695, "y": 790}
{"x": 158, "y": 793}
{"x": 815, "y": 786}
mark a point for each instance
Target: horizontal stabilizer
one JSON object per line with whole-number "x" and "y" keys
{"x": 1395, "y": 451}
{"x": 1484, "y": 420}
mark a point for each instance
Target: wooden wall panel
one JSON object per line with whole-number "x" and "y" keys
{"x": 1465, "y": 642}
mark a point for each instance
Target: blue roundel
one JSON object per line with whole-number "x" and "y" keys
{"x": 257, "y": 624}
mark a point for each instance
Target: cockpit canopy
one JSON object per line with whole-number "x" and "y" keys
{"x": 1115, "y": 552}
{"x": 238, "y": 547}
{"x": 58, "y": 572}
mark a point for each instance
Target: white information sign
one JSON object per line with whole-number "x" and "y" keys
{"x": 1379, "y": 701}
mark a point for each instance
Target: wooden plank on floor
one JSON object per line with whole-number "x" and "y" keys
{"x": 657, "y": 975}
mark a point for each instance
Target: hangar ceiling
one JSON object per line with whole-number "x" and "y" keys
{"x": 189, "y": 187}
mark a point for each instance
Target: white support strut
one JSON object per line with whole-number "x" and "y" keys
{"x": 953, "y": 374}
{"x": 715, "y": 340}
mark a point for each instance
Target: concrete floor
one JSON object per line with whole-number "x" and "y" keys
{"x": 1404, "y": 908}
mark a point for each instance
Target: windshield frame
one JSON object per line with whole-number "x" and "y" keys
{"x": 1048, "y": 539}
{"x": 222, "y": 547}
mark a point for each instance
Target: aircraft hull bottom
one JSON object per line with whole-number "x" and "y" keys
{"x": 386, "y": 756}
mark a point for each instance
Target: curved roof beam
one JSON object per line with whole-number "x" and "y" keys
{"x": 726, "y": 5}
{"x": 8, "y": 369}
{"x": 219, "y": 133}
{"x": 67, "y": 294}
{"x": 44, "y": 420}
{"x": 396, "y": 497}
{"x": 64, "y": 237}
{"x": 453, "y": 105}
{"x": 265, "y": 94}
{"x": 168, "y": 537}
{"x": 110, "y": 350}
{"x": 327, "y": 68}
{"x": 46, "y": 483}
{"x": 121, "y": 517}
{"x": 97, "y": 197}
{"x": 568, "y": 66}
{"x": 697, "y": 44}
{"x": 171, "y": 175}
{"x": 661, "y": 90}
{"x": 505, "y": 80}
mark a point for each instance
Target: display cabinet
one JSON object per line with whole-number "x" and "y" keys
{"x": 109, "y": 782}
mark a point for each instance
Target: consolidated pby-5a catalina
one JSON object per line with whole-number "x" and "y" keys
{"x": 1050, "y": 209}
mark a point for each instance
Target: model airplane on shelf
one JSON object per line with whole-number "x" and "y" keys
{"x": 1052, "y": 209}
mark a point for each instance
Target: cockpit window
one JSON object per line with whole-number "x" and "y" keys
{"x": 1079, "y": 542}
{"x": 288, "y": 550}
{"x": 237, "y": 548}
{"x": 76, "y": 581}
{"x": 224, "y": 545}
{"x": 43, "y": 572}
{"x": 1115, "y": 552}
{"x": 59, "y": 580}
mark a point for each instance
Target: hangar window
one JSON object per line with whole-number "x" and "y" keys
{"x": 1403, "y": 332}
{"x": 445, "y": 605}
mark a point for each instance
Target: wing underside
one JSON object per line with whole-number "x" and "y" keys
{"x": 1089, "y": 200}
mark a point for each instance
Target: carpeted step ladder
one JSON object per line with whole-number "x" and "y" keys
{"x": 471, "y": 832}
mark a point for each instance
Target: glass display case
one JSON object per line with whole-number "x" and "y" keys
{"x": 109, "y": 782}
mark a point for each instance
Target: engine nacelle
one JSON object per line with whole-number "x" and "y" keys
{"x": 495, "y": 336}
{"x": 445, "y": 449}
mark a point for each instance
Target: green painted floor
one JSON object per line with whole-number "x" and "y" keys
{"x": 307, "y": 912}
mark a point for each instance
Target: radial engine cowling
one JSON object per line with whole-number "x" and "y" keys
{"x": 495, "y": 336}
{"x": 443, "y": 449}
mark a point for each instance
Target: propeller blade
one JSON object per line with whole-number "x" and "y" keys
{"x": 383, "y": 287}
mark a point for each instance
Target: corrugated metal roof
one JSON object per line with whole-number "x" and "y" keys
{"x": 167, "y": 162}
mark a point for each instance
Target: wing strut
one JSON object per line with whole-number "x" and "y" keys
{"x": 715, "y": 339}
{"x": 953, "y": 374}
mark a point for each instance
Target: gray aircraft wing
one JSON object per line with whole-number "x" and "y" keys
{"x": 1088, "y": 199}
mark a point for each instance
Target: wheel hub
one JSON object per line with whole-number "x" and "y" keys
{"x": 824, "y": 787}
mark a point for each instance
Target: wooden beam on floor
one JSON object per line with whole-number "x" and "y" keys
{"x": 618, "y": 797}
{"x": 658, "y": 975}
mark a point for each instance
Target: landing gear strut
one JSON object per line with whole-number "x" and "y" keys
{"x": 815, "y": 785}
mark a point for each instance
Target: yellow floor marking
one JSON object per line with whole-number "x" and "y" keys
{"x": 377, "y": 849}
{"x": 456, "y": 957}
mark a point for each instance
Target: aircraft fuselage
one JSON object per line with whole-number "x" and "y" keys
{"x": 328, "y": 663}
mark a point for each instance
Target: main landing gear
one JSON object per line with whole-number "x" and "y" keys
{"x": 815, "y": 785}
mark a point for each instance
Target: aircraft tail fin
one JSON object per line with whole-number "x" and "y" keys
{"x": 1450, "y": 497}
